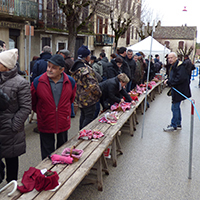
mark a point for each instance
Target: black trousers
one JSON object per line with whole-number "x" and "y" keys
{"x": 47, "y": 142}
{"x": 87, "y": 115}
{"x": 12, "y": 165}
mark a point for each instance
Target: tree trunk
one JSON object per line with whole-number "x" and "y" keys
{"x": 116, "y": 43}
{"x": 72, "y": 43}
{"x": 72, "y": 37}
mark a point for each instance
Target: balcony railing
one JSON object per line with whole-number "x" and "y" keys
{"x": 103, "y": 40}
{"x": 22, "y": 8}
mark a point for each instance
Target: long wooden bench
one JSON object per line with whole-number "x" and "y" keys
{"x": 70, "y": 176}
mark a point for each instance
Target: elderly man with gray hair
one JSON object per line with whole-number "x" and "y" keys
{"x": 41, "y": 65}
{"x": 178, "y": 80}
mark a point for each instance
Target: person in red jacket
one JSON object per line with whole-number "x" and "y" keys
{"x": 52, "y": 95}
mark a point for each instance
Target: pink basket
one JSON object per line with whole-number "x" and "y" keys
{"x": 69, "y": 152}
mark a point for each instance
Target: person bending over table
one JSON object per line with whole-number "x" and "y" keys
{"x": 113, "y": 91}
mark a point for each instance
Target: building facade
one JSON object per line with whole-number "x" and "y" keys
{"x": 50, "y": 27}
{"x": 14, "y": 15}
{"x": 177, "y": 38}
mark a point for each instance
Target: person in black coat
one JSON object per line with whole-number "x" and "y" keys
{"x": 132, "y": 64}
{"x": 188, "y": 65}
{"x": 114, "y": 68}
{"x": 4, "y": 104}
{"x": 178, "y": 79}
{"x": 113, "y": 91}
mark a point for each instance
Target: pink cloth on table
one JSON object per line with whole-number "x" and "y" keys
{"x": 89, "y": 134}
{"x": 56, "y": 159}
{"x": 125, "y": 106}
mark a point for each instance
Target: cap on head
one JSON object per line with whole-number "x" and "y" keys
{"x": 57, "y": 60}
{"x": 138, "y": 54}
{"x": 9, "y": 58}
{"x": 65, "y": 52}
{"x": 83, "y": 51}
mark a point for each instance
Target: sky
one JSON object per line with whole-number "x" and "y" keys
{"x": 171, "y": 12}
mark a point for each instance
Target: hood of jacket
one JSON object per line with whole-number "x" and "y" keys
{"x": 104, "y": 59}
{"x": 45, "y": 56}
{"x": 4, "y": 76}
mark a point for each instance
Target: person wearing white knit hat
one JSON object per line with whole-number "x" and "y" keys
{"x": 12, "y": 135}
{"x": 8, "y": 59}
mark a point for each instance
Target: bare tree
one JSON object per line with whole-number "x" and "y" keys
{"x": 123, "y": 13}
{"x": 183, "y": 50}
{"x": 76, "y": 19}
{"x": 146, "y": 21}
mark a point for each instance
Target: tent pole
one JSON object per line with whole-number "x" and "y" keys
{"x": 145, "y": 102}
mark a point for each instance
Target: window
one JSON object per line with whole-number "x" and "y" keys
{"x": 180, "y": 45}
{"x": 167, "y": 43}
{"x": 106, "y": 26}
{"x": 40, "y": 8}
{"x": 46, "y": 41}
{"x": 99, "y": 25}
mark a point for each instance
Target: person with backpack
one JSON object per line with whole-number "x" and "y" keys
{"x": 52, "y": 95}
{"x": 88, "y": 92}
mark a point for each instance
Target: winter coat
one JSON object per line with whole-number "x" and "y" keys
{"x": 111, "y": 92}
{"x": 189, "y": 66}
{"x": 179, "y": 79}
{"x": 4, "y": 101}
{"x": 125, "y": 67}
{"x": 98, "y": 67}
{"x": 132, "y": 66}
{"x": 68, "y": 64}
{"x": 41, "y": 65}
{"x": 157, "y": 66}
{"x": 113, "y": 70}
{"x": 137, "y": 74}
{"x": 105, "y": 64}
{"x": 88, "y": 91}
{"x": 12, "y": 135}
{"x": 52, "y": 119}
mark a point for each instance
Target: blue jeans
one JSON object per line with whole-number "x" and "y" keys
{"x": 72, "y": 110}
{"x": 176, "y": 112}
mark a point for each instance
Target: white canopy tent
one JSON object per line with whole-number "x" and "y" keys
{"x": 157, "y": 48}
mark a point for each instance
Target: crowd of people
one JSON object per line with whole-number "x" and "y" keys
{"x": 56, "y": 82}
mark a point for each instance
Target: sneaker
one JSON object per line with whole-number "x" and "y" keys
{"x": 170, "y": 129}
{"x": 179, "y": 127}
